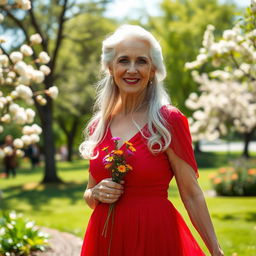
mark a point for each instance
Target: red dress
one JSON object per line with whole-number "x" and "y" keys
{"x": 145, "y": 221}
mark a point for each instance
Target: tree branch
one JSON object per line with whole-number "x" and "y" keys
{"x": 18, "y": 22}
{"x": 59, "y": 36}
{"x": 37, "y": 27}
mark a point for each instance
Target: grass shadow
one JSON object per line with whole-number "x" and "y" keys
{"x": 37, "y": 194}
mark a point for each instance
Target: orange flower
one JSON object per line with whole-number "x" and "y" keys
{"x": 234, "y": 176}
{"x": 133, "y": 149}
{"x": 251, "y": 171}
{"x": 121, "y": 168}
{"x": 212, "y": 176}
{"x": 222, "y": 170}
{"x": 119, "y": 152}
{"x": 217, "y": 181}
{"x": 128, "y": 143}
{"x": 129, "y": 167}
{"x": 105, "y": 148}
{"x": 107, "y": 166}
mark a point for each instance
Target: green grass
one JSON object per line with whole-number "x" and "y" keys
{"x": 62, "y": 207}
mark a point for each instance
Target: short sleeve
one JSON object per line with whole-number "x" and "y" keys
{"x": 181, "y": 142}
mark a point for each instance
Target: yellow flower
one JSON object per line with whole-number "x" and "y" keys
{"x": 119, "y": 152}
{"x": 110, "y": 159}
{"x": 105, "y": 148}
{"x": 121, "y": 168}
{"x": 128, "y": 143}
{"x": 129, "y": 166}
{"x": 133, "y": 149}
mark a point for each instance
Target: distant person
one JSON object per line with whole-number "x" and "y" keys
{"x": 63, "y": 153}
{"x": 10, "y": 158}
{"x": 33, "y": 153}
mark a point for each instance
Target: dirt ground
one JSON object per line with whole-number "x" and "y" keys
{"x": 61, "y": 244}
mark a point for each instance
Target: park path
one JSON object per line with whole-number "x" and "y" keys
{"x": 61, "y": 243}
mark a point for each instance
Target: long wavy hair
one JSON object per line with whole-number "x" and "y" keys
{"x": 107, "y": 95}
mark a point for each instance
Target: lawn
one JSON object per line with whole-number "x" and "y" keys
{"x": 62, "y": 207}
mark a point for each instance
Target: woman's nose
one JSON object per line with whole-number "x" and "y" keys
{"x": 131, "y": 69}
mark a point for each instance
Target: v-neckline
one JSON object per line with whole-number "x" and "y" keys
{"x": 132, "y": 138}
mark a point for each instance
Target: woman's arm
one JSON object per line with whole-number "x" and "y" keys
{"x": 106, "y": 191}
{"x": 194, "y": 202}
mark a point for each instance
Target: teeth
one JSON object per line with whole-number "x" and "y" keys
{"x": 131, "y": 80}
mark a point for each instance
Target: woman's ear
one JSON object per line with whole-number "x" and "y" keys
{"x": 110, "y": 69}
{"x": 152, "y": 73}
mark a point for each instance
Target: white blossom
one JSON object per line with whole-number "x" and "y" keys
{"x": 1, "y": 17}
{"x": 6, "y": 118}
{"x": 53, "y": 92}
{"x": 18, "y": 143}
{"x": 36, "y": 129}
{"x": 20, "y": 116}
{"x": 30, "y": 115}
{"x": 4, "y": 60}
{"x": 21, "y": 68}
{"x": 45, "y": 69}
{"x": 44, "y": 57}
{"x": 8, "y": 151}
{"x": 41, "y": 100}
{"x": 20, "y": 153}
{"x": 34, "y": 138}
{"x": 26, "y": 50}
{"x": 27, "y": 130}
{"x": 36, "y": 39}
{"x": 11, "y": 74}
{"x": 16, "y": 56}
{"x": 38, "y": 76}
{"x": 24, "y": 91}
{"x": 3, "y": 39}
{"x": 26, "y": 139}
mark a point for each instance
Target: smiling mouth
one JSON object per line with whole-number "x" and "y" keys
{"x": 131, "y": 80}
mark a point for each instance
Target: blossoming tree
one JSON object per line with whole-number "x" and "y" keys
{"x": 17, "y": 77}
{"x": 227, "y": 98}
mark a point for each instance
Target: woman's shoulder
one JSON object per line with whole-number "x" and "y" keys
{"x": 171, "y": 113}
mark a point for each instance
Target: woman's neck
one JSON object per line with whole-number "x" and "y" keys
{"x": 130, "y": 103}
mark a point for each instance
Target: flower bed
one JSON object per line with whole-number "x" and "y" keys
{"x": 237, "y": 180}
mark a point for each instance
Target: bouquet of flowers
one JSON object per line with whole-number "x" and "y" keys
{"x": 115, "y": 162}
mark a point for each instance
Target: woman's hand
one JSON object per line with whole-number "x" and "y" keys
{"x": 107, "y": 191}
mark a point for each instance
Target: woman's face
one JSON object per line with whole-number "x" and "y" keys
{"x": 132, "y": 66}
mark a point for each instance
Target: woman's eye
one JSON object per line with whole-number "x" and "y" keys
{"x": 142, "y": 61}
{"x": 123, "y": 61}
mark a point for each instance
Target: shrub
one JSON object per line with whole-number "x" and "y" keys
{"x": 237, "y": 180}
{"x": 19, "y": 236}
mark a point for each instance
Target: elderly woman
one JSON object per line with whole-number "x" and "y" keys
{"x": 133, "y": 105}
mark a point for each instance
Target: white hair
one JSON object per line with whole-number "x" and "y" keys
{"x": 107, "y": 95}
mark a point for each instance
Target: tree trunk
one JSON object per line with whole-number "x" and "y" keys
{"x": 71, "y": 137}
{"x": 69, "y": 133}
{"x": 247, "y": 139}
{"x": 46, "y": 116}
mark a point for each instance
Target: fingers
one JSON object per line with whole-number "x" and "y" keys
{"x": 107, "y": 191}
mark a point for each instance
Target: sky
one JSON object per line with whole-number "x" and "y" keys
{"x": 121, "y": 9}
